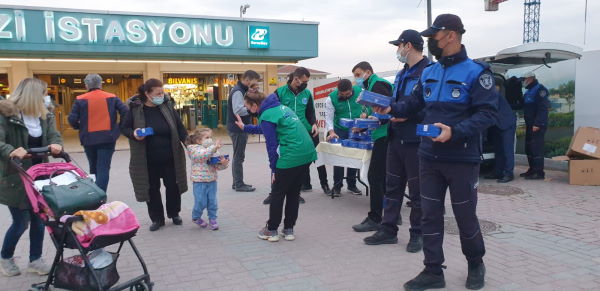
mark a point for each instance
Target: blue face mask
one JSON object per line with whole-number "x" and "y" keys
{"x": 158, "y": 100}
{"x": 361, "y": 81}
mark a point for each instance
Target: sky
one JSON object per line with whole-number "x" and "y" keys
{"x": 351, "y": 31}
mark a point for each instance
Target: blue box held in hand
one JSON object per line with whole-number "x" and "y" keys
{"x": 428, "y": 130}
{"x": 216, "y": 160}
{"x": 335, "y": 140}
{"x": 144, "y": 131}
{"x": 369, "y": 98}
{"x": 347, "y": 122}
{"x": 381, "y": 116}
{"x": 366, "y": 123}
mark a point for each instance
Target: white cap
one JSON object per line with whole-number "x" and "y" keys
{"x": 529, "y": 74}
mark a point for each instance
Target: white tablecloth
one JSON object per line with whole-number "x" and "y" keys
{"x": 337, "y": 155}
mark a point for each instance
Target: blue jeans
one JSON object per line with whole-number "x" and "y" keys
{"x": 205, "y": 197}
{"x": 99, "y": 157}
{"x": 21, "y": 218}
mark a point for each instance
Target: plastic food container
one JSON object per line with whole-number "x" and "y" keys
{"x": 349, "y": 143}
{"x": 369, "y": 98}
{"x": 428, "y": 130}
{"x": 215, "y": 160}
{"x": 365, "y": 145}
{"x": 144, "y": 131}
{"x": 347, "y": 122}
{"x": 366, "y": 123}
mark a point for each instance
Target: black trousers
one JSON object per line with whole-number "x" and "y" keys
{"x": 321, "y": 169}
{"x": 286, "y": 188}
{"x": 462, "y": 179}
{"x": 534, "y": 148}
{"x": 402, "y": 170}
{"x": 376, "y": 177}
{"x": 166, "y": 172}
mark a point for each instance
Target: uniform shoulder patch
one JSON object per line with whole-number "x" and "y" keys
{"x": 543, "y": 93}
{"x": 486, "y": 80}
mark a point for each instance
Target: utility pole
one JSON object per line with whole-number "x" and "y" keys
{"x": 429, "y": 22}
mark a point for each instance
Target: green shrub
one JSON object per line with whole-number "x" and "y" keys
{"x": 557, "y": 147}
{"x": 561, "y": 119}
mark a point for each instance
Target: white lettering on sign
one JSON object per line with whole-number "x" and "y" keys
{"x": 114, "y": 30}
{"x": 69, "y": 27}
{"x": 5, "y": 20}
{"x": 135, "y": 31}
{"x": 49, "y": 22}
{"x": 186, "y": 33}
{"x": 92, "y": 24}
{"x": 105, "y": 29}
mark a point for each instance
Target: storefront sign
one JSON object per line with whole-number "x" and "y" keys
{"x": 182, "y": 80}
{"x": 258, "y": 37}
{"x": 27, "y": 30}
{"x": 320, "y": 94}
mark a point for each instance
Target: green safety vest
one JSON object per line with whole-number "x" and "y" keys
{"x": 347, "y": 108}
{"x": 381, "y": 131}
{"x": 296, "y": 147}
{"x": 295, "y": 102}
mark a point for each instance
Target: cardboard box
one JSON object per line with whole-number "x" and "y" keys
{"x": 584, "y": 172}
{"x": 585, "y": 143}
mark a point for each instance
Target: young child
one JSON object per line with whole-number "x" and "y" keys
{"x": 201, "y": 148}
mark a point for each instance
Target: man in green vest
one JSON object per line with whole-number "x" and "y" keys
{"x": 341, "y": 103}
{"x": 365, "y": 78}
{"x": 299, "y": 99}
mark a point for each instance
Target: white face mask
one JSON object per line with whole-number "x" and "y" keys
{"x": 207, "y": 142}
{"x": 400, "y": 57}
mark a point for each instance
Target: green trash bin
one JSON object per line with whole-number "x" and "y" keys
{"x": 224, "y": 112}
{"x": 213, "y": 116}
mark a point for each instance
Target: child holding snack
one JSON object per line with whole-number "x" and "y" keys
{"x": 201, "y": 148}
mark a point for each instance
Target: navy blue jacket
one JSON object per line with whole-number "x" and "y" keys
{"x": 459, "y": 93}
{"x": 405, "y": 82}
{"x": 506, "y": 116}
{"x": 536, "y": 105}
{"x": 268, "y": 129}
{"x": 94, "y": 114}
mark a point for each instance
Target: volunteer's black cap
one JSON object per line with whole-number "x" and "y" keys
{"x": 411, "y": 36}
{"x": 445, "y": 21}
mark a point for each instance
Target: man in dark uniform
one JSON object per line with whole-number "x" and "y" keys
{"x": 503, "y": 138}
{"x": 458, "y": 96}
{"x": 403, "y": 144}
{"x": 535, "y": 110}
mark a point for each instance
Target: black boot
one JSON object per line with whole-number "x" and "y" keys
{"x": 156, "y": 225}
{"x": 267, "y": 200}
{"x": 177, "y": 220}
{"x": 535, "y": 176}
{"x": 506, "y": 179}
{"x": 381, "y": 237}
{"x": 306, "y": 188}
{"x": 326, "y": 188}
{"x": 336, "y": 192}
{"x": 415, "y": 244}
{"x": 425, "y": 280}
{"x": 366, "y": 225}
{"x": 354, "y": 190}
{"x": 476, "y": 276}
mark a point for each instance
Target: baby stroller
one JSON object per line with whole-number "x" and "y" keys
{"x": 84, "y": 276}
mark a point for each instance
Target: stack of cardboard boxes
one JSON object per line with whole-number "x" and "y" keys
{"x": 584, "y": 157}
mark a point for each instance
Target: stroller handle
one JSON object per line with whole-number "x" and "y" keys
{"x": 42, "y": 152}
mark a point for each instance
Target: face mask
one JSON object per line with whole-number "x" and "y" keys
{"x": 361, "y": 81}
{"x": 47, "y": 101}
{"x": 302, "y": 86}
{"x": 207, "y": 142}
{"x": 400, "y": 57}
{"x": 434, "y": 49}
{"x": 158, "y": 100}
{"x": 525, "y": 84}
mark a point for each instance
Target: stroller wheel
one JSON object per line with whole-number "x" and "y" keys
{"x": 141, "y": 286}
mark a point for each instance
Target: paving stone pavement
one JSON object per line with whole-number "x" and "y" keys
{"x": 548, "y": 239}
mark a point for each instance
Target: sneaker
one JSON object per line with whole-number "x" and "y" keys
{"x": 506, "y": 179}
{"x": 306, "y": 188}
{"x": 476, "y": 277}
{"x": 213, "y": 225}
{"x": 9, "y": 268}
{"x": 336, "y": 192}
{"x": 201, "y": 222}
{"x": 156, "y": 225}
{"x": 177, "y": 220}
{"x": 288, "y": 234}
{"x": 381, "y": 237}
{"x": 415, "y": 244}
{"x": 326, "y": 188}
{"x": 301, "y": 200}
{"x": 425, "y": 280}
{"x": 245, "y": 188}
{"x": 366, "y": 225}
{"x": 267, "y": 200}
{"x": 270, "y": 235}
{"x": 535, "y": 176}
{"x": 39, "y": 267}
{"x": 354, "y": 190}
{"x": 523, "y": 175}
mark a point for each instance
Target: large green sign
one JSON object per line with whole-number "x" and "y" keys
{"x": 29, "y": 32}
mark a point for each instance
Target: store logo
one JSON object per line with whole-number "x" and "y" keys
{"x": 258, "y": 37}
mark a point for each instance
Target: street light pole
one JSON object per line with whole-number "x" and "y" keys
{"x": 429, "y": 22}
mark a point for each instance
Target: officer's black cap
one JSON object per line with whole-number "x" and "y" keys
{"x": 447, "y": 22}
{"x": 411, "y": 36}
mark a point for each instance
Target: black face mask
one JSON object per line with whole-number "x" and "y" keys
{"x": 434, "y": 49}
{"x": 302, "y": 87}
